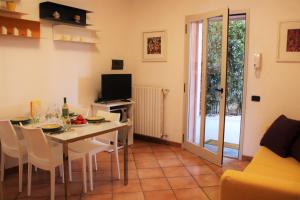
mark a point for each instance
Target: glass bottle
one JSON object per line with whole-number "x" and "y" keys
{"x": 65, "y": 115}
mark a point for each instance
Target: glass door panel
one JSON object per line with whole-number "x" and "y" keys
{"x": 194, "y": 93}
{"x": 213, "y": 83}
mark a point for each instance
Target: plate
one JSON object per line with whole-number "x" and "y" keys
{"x": 51, "y": 127}
{"x": 95, "y": 119}
{"x": 24, "y": 120}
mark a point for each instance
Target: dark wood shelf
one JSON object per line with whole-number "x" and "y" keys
{"x": 72, "y": 23}
{"x": 67, "y": 13}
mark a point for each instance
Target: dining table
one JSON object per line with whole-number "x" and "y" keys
{"x": 89, "y": 131}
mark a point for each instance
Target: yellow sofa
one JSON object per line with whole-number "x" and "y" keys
{"x": 267, "y": 177}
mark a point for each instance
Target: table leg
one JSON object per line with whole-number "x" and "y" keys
{"x": 125, "y": 148}
{"x": 66, "y": 171}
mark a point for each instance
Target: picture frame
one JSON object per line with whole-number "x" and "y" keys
{"x": 155, "y": 46}
{"x": 289, "y": 42}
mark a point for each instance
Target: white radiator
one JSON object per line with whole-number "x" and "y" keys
{"x": 149, "y": 111}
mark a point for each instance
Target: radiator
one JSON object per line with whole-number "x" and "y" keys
{"x": 149, "y": 111}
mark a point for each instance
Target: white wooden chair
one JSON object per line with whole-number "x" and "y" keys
{"x": 12, "y": 146}
{"x": 47, "y": 156}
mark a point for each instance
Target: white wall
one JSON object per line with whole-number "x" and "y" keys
{"x": 278, "y": 82}
{"x": 48, "y": 70}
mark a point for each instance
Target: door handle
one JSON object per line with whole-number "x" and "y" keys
{"x": 220, "y": 90}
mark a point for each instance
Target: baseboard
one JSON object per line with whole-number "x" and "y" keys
{"x": 155, "y": 140}
{"x": 247, "y": 158}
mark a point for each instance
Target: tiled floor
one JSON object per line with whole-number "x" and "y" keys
{"x": 156, "y": 171}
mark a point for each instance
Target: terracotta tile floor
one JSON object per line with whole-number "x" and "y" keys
{"x": 156, "y": 171}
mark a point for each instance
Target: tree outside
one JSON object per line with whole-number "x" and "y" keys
{"x": 235, "y": 66}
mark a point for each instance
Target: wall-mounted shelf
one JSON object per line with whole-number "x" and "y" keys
{"x": 67, "y": 33}
{"x": 59, "y": 13}
{"x": 23, "y": 27}
{"x": 66, "y": 22}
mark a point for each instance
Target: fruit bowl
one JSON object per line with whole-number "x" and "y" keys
{"x": 79, "y": 121}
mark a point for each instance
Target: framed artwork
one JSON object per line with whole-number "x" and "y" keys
{"x": 155, "y": 46}
{"x": 289, "y": 42}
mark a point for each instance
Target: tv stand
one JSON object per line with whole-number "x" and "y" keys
{"x": 113, "y": 106}
{"x": 126, "y": 100}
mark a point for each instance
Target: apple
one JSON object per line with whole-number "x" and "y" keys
{"x": 80, "y": 118}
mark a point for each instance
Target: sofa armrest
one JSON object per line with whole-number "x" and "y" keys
{"x": 237, "y": 185}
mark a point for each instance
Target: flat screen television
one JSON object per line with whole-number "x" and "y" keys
{"x": 115, "y": 87}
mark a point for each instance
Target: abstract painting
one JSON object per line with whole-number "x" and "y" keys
{"x": 289, "y": 42}
{"x": 154, "y": 46}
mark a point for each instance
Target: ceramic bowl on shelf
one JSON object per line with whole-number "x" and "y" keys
{"x": 11, "y": 5}
{"x": 16, "y": 31}
{"x": 3, "y": 30}
{"x": 28, "y": 33}
{"x": 75, "y": 38}
{"x": 56, "y": 15}
{"x": 77, "y": 18}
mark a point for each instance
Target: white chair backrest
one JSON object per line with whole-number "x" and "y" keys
{"x": 38, "y": 146}
{"x": 112, "y": 136}
{"x": 8, "y": 136}
{"x": 80, "y": 110}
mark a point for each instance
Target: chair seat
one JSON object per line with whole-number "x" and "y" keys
{"x": 57, "y": 152}
{"x": 89, "y": 146}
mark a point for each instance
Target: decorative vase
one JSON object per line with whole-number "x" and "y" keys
{"x": 11, "y": 5}
{"x": 56, "y": 15}
{"x": 15, "y": 31}
{"x": 77, "y": 18}
{"x": 3, "y": 30}
{"x": 28, "y": 33}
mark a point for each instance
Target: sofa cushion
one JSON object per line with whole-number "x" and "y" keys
{"x": 281, "y": 135}
{"x": 295, "y": 150}
{"x": 267, "y": 163}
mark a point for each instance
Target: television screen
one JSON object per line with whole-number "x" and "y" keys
{"x": 115, "y": 87}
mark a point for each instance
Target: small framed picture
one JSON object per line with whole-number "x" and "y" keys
{"x": 155, "y": 46}
{"x": 289, "y": 42}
